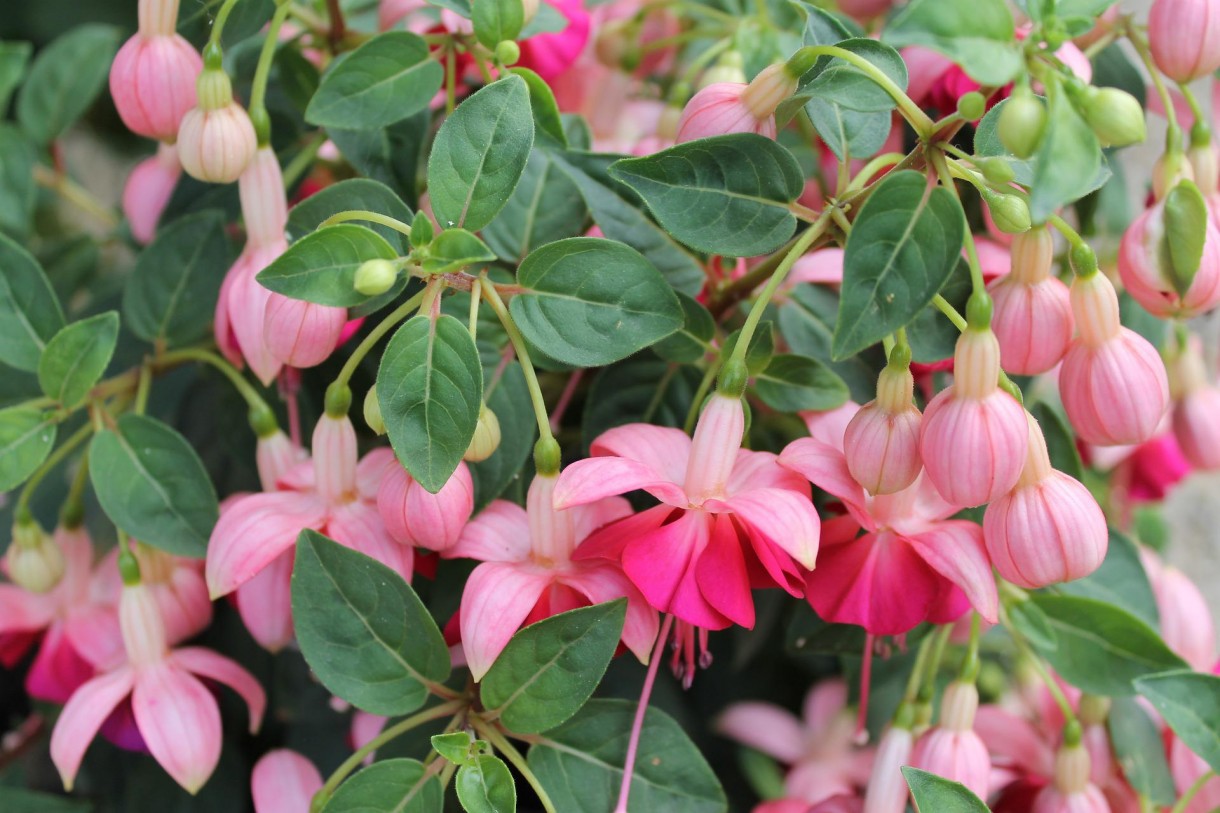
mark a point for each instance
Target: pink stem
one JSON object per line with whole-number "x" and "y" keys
{"x": 290, "y": 384}
{"x": 565, "y": 398}
{"x": 866, "y": 679}
{"x": 637, "y": 726}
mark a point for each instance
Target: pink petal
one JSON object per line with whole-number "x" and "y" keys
{"x": 1013, "y": 741}
{"x": 500, "y": 533}
{"x": 497, "y": 598}
{"x": 955, "y": 550}
{"x": 371, "y": 469}
{"x": 762, "y": 470}
{"x": 81, "y": 718}
{"x": 787, "y": 520}
{"x": 722, "y": 574}
{"x": 824, "y": 706}
{"x": 663, "y": 449}
{"x": 595, "y": 478}
{"x": 58, "y": 670}
{"x": 823, "y": 266}
{"x": 764, "y": 727}
{"x": 606, "y": 582}
{"x": 213, "y": 666}
{"x": 265, "y": 604}
{"x": 283, "y": 781}
{"x": 94, "y": 632}
{"x": 829, "y": 427}
{"x": 255, "y": 531}
{"x": 826, "y": 468}
{"x": 358, "y": 526}
{"x": 23, "y": 611}
{"x": 179, "y": 721}
{"x": 588, "y": 518}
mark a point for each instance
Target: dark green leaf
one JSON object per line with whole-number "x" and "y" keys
{"x": 837, "y": 82}
{"x": 807, "y": 322}
{"x": 172, "y": 293}
{"x": 547, "y": 119}
{"x": 352, "y": 194}
{"x": 935, "y": 794}
{"x": 362, "y": 629}
{"x": 808, "y": 634}
{"x": 760, "y": 351}
{"x": 546, "y": 206}
{"x": 430, "y": 386}
{"x": 29, "y": 312}
{"x": 791, "y": 383}
{"x": 456, "y": 747}
{"x": 693, "y": 341}
{"x": 454, "y": 249}
{"x": 75, "y": 358}
{"x": 480, "y": 153}
{"x": 152, "y": 485}
{"x": 590, "y": 302}
{"x": 848, "y": 133}
{"x": 17, "y": 193}
{"x": 1029, "y": 620}
{"x": 485, "y": 785}
{"x": 321, "y": 267}
{"x": 1190, "y": 703}
{"x": 903, "y": 247}
{"x": 1121, "y": 580}
{"x": 497, "y": 20}
{"x": 64, "y": 80}
{"x": 977, "y": 34}
{"x": 26, "y": 438}
{"x": 20, "y": 800}
{"x": 551, "y": 668}
{"x": 399, "y": 785}
{"x": 1140, "y": 751}
{"x": 246, "y": 19}
{"x": 13, "y": 59}
{"x": 383, "y": 81}
{"x": 722, "y": 195}
{"x": 392, "y": 155}
{"x": 1102, "y": 648}
{"x": 581, "y": 763}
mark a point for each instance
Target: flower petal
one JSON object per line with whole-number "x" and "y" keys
{"x": 721, "y": 572}
{"x": 23, "y": 611}
{"x": 371, "y": 468}
{"x": 214, "y": 666}
{"x": 283, "y": 781}
{"x": 265, "y": 604}
{"x": 500, "y": 533}
{"x": 179, "y": 721}
{"x": 663, "y": 449}
{"x": 588, "y": 518}
{"x": 598, "y": 477}
{"x": 955, "y": 550}
{"x": 253, "y": 532}
{"x": 81, "y": 718}
{"x": 358, "y": 526}
{"x": 787, "y": 519}
{"x": 826, "y": 468}
{"x": 602, "y": 582}
{"x": 764, "y": 727}
{"x": 497, "y": 598}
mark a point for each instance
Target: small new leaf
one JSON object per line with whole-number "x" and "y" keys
{"x": 1181, "y": 244}
{"x": 76, "y": 357}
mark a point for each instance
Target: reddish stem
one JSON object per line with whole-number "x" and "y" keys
{"x": 637, "y": 726}
{"x": 565, "y": 398}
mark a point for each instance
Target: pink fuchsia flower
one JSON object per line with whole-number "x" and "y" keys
{"x": 1197, "y": 403}
{"x": 1188, "y": 768}
{"x": 842, "y": 803}
{"x": 887, "y": 789}
{"x": 911, "y": 564}
{"x": 1186, "y": 620}
{"x": 818, "y": 745}
{"x": 1112, "y": 381}
{"x": 1049, "y": 528}
{"x": 333, "y": 495}
{"x": 865, "y": 9}
{"x": 300, "y": 333}
{"x": 974, "y": 436}
{"x": 552, "y": 53}
{"x": 528, "y": 572}
{"x": 823, "y": 266}
{"x": 1184, "y": 36}
{"x": 414, "y": 516}
{"x": 1033, "y": 312}
{"x": 731, "y": 107}
{"x": 1071, "y": 791}
{"x": 283, "y": 781}
{"x": 216, "y": 139}
{"x": 729, "y": 519}
{"x": 167, "y": 698}
{"x": 152, "y": 78}
{"x": 1149, "y": 280}
{"x": 148, "y": 190}
{"x": 952, "y": 749}
{"x": 881, "y": 443}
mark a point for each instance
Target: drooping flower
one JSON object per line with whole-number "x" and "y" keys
{"x": 152, "y": 78}
{"x": 1186, "y": 619}
{"x": 414, "y": 516}
{"x": 283, "y": 781}
{"x": 732, "y": 107}
{"x": 887, "y": 789}
{"x": 528, "y": 572}
{"x": 1147, "y": 274}
{"x": 148, "y": 190}
{"x": 1033, "y": 314}
{"x": 216, "y": 139}
{"x": 1070, "y": 790}
{"x": 881, "y": 443}
{"x": 1184, "y": 36}
{"x": 1197, "y": 404}
{"x": 952, "y": 749}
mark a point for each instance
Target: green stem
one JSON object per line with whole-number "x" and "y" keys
{"x": 450, "y": 77}
{"x": 523, "y": 355}
{"x": 916, "y": 677}
{"x": 78, "y": 437}
{"x": 970, "y": 664}
{"x": 1173, "y": 133}
{"x": 383, "y": 327}
{"x": 949, "y": 311}
{"x": 1065, "y": 228}
{"x": 972, "y": 254}
{"x": 253, "y": 399}
{"x": 870, "y": 169}
{"x": 919, "y": 120}
{"x": 75, "y": 194}
{"x": 143, "y": 388}
{"x": 1192, "y": 792}
{"x": 372, "y": 217}
{"x": 72, "y": 512}
{"x": 258, "y": 93}
{"x": 353, "y": 762}
{"x": 1052, "y": 686}
{"x": 933, "y": 666}
{"x": 218, "y": 26}
{"x": 501, "y": 744}
{"x": 304, "y": 159}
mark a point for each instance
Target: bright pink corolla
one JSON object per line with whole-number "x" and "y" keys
{"x": 552, "y": 53}
{"x": 176, "y": 714}
{"x": 283, "y": 781}
{"x": 333, "y": 495}
{"x": 148, "y": 190}
{"x": 911, "y": 564}
{"x": 1184, "y": 36}
{"x": 952, "y": 749}
{"x": 414, "y": 516}
{"x": 1147, "y": 277}
{"x": 152, "y": 78}
{"x": 729, "y": 519}
{"x": 1112, "y": 381}
{"x": 1186, "y": 619}
{"x": 528, "y": 572}
{"x": 1032, "y": 316}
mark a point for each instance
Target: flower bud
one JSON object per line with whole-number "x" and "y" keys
{"x": 414, "y": 516}
{"x": 142, "y": 625}
{"x": 486, "y": 437}
{"x": 1184, "y": 37}
{"x": 887, "y": 790}
{"x": 1170, "y": 169}
{"x": 300, "y": 333}
{"x": 216, "y": 144}
{"x": 372, "y": 411}
{"x": 1009, "y": 213}
{"x": 508, "y": 52}
{"x": 768, "y": 90}
{"x": 996, "y": 170}
{"x": 334, "y": 458}
{"x": 1032, "y": 316}
{"x": 971, "y": 106}
{"x": 275, "y": 454}
{"x": 1022, "y": 122}
{"x": 881, "y": 443}
{"x": 953, "y": 749}
{"x": 375, "y": 277}
{"x": 1205, "y": 166}
{"x": 1116, "y": 117}
{"x": 1186, "y": 619}
{"x": 1155, "y": 263}
{"x": 714, "y": 448}
{"x": 152, "y": 82}
{"x": 34, "y": 561}
{"x": 148, "y": 190}
{"x": 1195, "y": 424}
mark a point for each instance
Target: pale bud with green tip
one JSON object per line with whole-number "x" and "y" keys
{"x": 1115, "y": 115}
{"x": 216, "y": 139}
{"x": 375, "y": 277}
{"x": 486, "y": 437}
{"x": 1022, "y": 123}
{"x": 34, "y": 561}
{"x": 372, "y": 411}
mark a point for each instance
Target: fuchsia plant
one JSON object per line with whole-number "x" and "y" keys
{"x": 851, "y": 381}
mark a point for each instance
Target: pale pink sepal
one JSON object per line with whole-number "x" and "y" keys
{"x": 955, "y": 550}
{"x": 718, "y": 109}
{"x": 786, "y": 518}
{"x": 179, "y": 721}
{"x": 499, "y": 533}
{"x": 208, "y": 664}
{"x": 496, "y": 600}
{"x": 83, "y": 716}
{"x": 148, "y": 190}
{"x": 152, "y": 82}
{"x": 299, "y": 333}
{"x": 255, "y": 531}
{"x": 764, "y": 727}
{"x": 358, "y": 526}
{"x": 265, "y": 604}
{"x": 283, "y": 781}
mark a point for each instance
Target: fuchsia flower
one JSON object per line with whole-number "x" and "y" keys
{"x": 333, "y": 495}
{"x": 881, "y": 443}
{"x": 550, "y": 54}
{"x": 148, "y": 190}
{"x": 152, "y": 79}
{"x": 413, "y": 516}
{"x": 732, "y": 107}
{"x": 1033, "y": 313}
{"x": 1071, "y": 790}
{"x": 177, "y": 716}
{"x": 528, "y": 572}
{"x": 729, "y": 519}
{"x": 1197, "y": 403}
{"x": 1186, "y": 620}
{"x": 216, "y": 139}
{"x": 887, "y": 789}
{"x": 952, "y": 749}
{"x": 283, "y": 781}
{"x": 1185, "y": 38}
{"x": 1147, "y": 278}
{"x": 911, "y": 564}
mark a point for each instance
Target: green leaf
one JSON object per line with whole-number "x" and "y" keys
{"x": 551, "y": 668}
{"x": 580, "y": 763}
{"x": 76, "y": 357}
{"x": 807, "y": 322}
{"x": 760, "y": 351}
{"x": 152, "y": 485}
{"x": 1190, "y": 703}
{"x": 509, "y": 398}
{"x": 547, "y": 118}
{"x": 480, "y": 153}
{"x": 497, "y": 20}
{"x": 590, "y": 302}
{"x": 721, "y": 195}
{"x": 172, "y": 293}
{"x": 1029, "y": 619}
{"x": 809, "y": 634}
{"x": 64, "y": 80}
{"x": 456, "y": 747}
{"x": 1101, "y": 648}
{"x": 13, "y": 59}
{"x": 902, "y": 249}
{"x": 20, "y": 800}
{"x": 935, "y": 794}
{"x": 694, "y": 339}
{"x": 321, "y": 267}
{"x": 1181, "y": 246}
{"x": 977, "y": 34}
{"x": 26, "y": 438}
{"x": 353, "y": 194}
{"x": 1140, "y": 750}
{"x": 17, "y": 191}
{"x": 546, "y": 206}
{"x": 430, "y": 386}
{"x": 791, "y": 383}
{"x": 246, "y": 19}
{"x": 383, "y": 81}
{"x": 453, "y": 250}
{"x": 362, "y": 630}
{"x": 640, "y": 389}
{"x": 29, "y": 312}
{"x": 1068, "y": 162}
{"x": 391, "y": 155}
{"x": 485, "y": 785}
{"x": 837, "y": 82}
{"x": 399, "y": 785}
{"x": 1114, "y": 69}
{"x": 1121, "y": 580}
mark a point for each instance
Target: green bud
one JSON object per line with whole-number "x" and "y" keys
{"x": 1022, "y": 122}
{"x": 971, "y": 106}
{"x": 372, "y": 411}
{"x": 508, "y": 52}
{"x": 263, "y": 422}
{"x": 733, "y": 378}
{"x": 1009, "y": 213}
{"x": 375, "y": 277}
{"x": 547, "y": 456}
{"x": 1116, "y": 117}
{"x": 486, "y": 437}
{"x": 996, "y": 171}
{"x": 421, "y": 230}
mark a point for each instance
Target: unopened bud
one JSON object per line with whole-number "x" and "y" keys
{"x": 508, "y": 52}
{"x": 1116, "y": 117}
{"x": 971, "y": 106}
{"x": 1009, "y": 213}
{"x": 1022, "y": 122}
{"x": 612, "y": 41}
{"x": 1203, "y": 161}
{"x": 486, "y": 437}
{"x": 34, "y": 561}
{"x": 372, "y": 411}
{"x": 996, "y": 171}
{"x": 1169, "y": 170}
{"x": 375, "y": 277}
